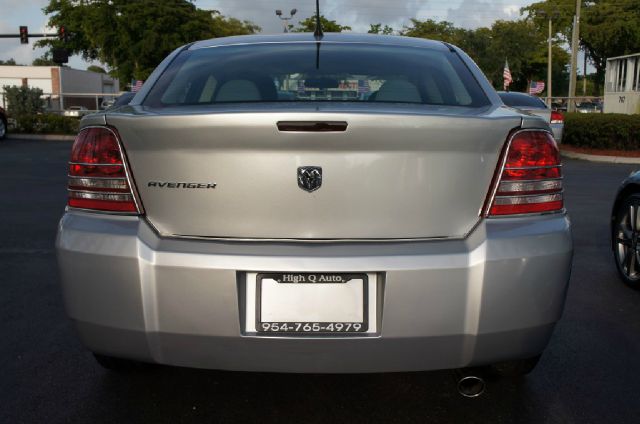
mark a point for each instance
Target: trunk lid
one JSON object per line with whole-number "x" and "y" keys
{"x": 543, "y": 113}
{"x": 389, "y": 175}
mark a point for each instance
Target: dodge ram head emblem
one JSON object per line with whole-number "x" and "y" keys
{"x": 309, "y": 178}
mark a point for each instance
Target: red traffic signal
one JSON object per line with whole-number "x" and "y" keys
{"x": 24, "y": 35}
{"x": 62, "y": 34}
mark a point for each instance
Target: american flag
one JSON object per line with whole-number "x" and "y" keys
{"x": 536, "y": 87}
{"x": 363, "y": 86}
{"x": 506, "y": 75}
{"x": 136, "y": 85}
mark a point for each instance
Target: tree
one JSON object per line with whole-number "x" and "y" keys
{"x": 44, "y": 60}
{"x": 379, "y": 29}
{"x": 608, "y": 28}
{"x": 433, "y": 30}
{"x": 521, "y": 42}
{"x": 96, "y": 69}
{"x": 132, "y": 38}
{"x": 10, "y": 62}
{"x": 309, "y": 25}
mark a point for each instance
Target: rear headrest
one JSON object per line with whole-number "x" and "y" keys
{"x": 398, "y": 91}
{"x": 238, "y": 91}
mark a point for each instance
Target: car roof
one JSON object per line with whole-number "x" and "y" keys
{"x": 331, "y": 37}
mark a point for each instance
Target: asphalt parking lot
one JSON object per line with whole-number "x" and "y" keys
{"x": 589, "y": 374}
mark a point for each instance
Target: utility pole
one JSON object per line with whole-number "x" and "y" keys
{"x": 571, "y": 106}
{"x": 551, "y": 16}
{"x": 549, "y": 93}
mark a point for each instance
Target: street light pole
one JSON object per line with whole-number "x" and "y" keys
{"x": 571, "y": 106}
{"x": 285, "y": 19}
{"x": 584, "y": 75}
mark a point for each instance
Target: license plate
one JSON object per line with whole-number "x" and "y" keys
{"x": 310, "y": 303}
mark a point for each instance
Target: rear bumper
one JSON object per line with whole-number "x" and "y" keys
{"x": 557, "y": 130}
{"x": 442, "y": 304}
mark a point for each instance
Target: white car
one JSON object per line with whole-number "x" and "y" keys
{"x": 76, "y": 111}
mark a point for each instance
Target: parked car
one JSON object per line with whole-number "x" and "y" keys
{"x": 4, "y": 126}
{"x": 213, "y": 223}
{"x": 591, "y": 106}
{"x": 532, "y": 104}
{"x": 76, "y": 111}
{"x": 625, "y": 230}
{"x": 107, "y": 103}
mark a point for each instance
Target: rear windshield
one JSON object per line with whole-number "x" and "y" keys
{"x": 521, "y": 100}
{"x": 304, "y": 72}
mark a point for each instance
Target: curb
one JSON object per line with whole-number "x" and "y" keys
{"x": 41, "y": 137}
{"x": 599, "y": 158}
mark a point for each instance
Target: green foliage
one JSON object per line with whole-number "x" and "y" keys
{"x": 379, "y": 29}
{"x": 44, "y": 60}
{"x": 10, "y": 62}
{"x": 433, "y": 30}
{"x": 48, "y": 123}
{"x": 526, "y": 49}
{"x": 309, "y": 25}
{"x": 23, "y": 100}
{"x": 96, "y": 69}
{"x": 560, "y": 11}
{"x": 132, "y": 37}
{"x": 608, "y": 28}
{"x": 602, "y": 131}
{"x": 521, "y": 42}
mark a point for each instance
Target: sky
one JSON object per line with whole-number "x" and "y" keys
{"x": 356, "y": 13}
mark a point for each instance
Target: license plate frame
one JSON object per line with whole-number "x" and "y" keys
{"x": 292, "y": 328}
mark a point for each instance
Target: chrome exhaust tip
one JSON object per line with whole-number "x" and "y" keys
{"x": 471, "y": 386}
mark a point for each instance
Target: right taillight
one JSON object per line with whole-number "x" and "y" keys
{"x": 98, "y": 176}
{"x": 530, "y": 176}
{"x": 557, "y": 117}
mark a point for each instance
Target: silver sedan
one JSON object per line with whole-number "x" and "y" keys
{"x": 355, "y": 203}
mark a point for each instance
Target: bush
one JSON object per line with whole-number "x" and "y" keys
{"x": 22, "y": 104}
{"x": 50, "y": 123}
{"x": 602, "y": 131}
{"x": 47, "y": 123}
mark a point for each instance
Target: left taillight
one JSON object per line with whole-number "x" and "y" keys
{"x": 98, "y": 175}
{"x": 557, "y": 117}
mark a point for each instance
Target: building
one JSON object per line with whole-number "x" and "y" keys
{"x": 62, "y": 87}
{"x": 622, "y": 84}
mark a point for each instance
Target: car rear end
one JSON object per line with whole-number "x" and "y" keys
{"x": 534, "y": 105}
{"x": 216, "y": 223}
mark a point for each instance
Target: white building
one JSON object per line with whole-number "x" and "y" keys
{"x": 61, "y": 86}
{"x": 622, "y": 84}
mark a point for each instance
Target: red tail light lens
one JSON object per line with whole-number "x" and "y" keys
{"x": 530, "y": 179}
{"x": 557, "y": 117}
{"x": 98, "y": 178}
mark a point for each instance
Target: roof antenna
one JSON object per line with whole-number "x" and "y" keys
{"x": 318, "y": 32}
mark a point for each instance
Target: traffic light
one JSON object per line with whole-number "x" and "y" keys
{"x": 62, "y": 34}
{"x": 60, "y": 55}
{"x": 24, "y": 35}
